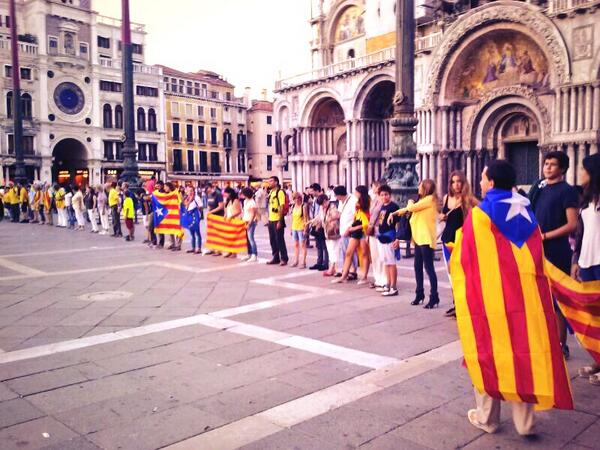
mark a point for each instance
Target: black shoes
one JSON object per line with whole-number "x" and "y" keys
{"x": 273, "y": 262}
{"x": 434, "y": 301}
{"x": 420, "y": 298}
{"x": 315, "y": 267}
{"x": 451, "y": 312}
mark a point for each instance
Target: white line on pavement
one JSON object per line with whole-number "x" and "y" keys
{"x": 266, "y": 423}
{"x": 20, "y": 268}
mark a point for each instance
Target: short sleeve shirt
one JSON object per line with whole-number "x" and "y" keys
{"x": 276, "y": 202}
{"x": 382, "y": 220}
{"x": 550, "y": 210}
{"x": 213, "y": 201}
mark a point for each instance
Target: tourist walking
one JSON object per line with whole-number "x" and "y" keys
{"x": 457, "y": 203}
{"x": 251, "y": 217}
{"x": 423, "y": 225}
{"x": 555, "y": 204}
{"x": 278, "y": 206}
{"x": 586, "y": 257}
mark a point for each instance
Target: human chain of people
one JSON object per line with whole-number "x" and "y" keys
{"x": 497, "y": 246}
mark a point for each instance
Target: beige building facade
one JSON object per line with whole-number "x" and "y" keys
{"x": 493, "y": 79}
{"x": 206, "y": 129}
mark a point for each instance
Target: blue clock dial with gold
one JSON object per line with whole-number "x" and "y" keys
{"x": 69, "y": 98}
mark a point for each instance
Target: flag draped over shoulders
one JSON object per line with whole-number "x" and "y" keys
{"x": 580, "y": 304}
{"x": 505, "y": 314}
{"x": 167, "y": 215}
{"x": 225, "y": 235}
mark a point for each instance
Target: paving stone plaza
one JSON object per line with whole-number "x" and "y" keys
{"x": 111, "y": 345}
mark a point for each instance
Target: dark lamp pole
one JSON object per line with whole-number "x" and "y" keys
{"x": 130, "y": 166}
{"x": 401, "y": 173}
{"x": 20, "y": 173}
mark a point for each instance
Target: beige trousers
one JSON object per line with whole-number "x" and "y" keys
{"x": 488, "y": 414}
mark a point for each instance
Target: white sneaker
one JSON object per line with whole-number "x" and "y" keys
{"x": 381, "y": 289}
{"x": 390, "y": 292}
{"x": 253, "y": 258}
{"x": 245, "y": 258}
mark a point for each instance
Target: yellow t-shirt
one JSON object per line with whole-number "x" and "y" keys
{"x": 423, "y": 222}
{"x": 59, "y": 199}
{"x": 128, "y": 208}
{"x": 113, "y": 198}
{"x": 363, "y": 218}
{"x": 298, "y": 219}
{"x": 276, "y": 203}
{"x": 24, "y": 195}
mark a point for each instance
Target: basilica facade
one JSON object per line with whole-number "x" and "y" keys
{"x": 493, "y": 79}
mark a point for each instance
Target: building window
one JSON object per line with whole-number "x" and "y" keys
{"x": 269, "y": 140}
{"x": 197, "y": 89}
{"x": 142, "y": 155}
{"x": 26, "y": 108}
{"x": 9, "y": 104}
{"x": 181, "y": 86}
{"x": 119, "y": 117}
{"x": 110, "y": 86}
{"x": 174, "y": 108}
{"x": 203, "y": 162}
{"x": 108, "y": 151}
{"x": 214, "y": 95}
{"x": 269, "y": 162}
{"x": 153, "y": 152}
{"x": 151, "y": 119}
{"x": 27, "y": 142}
{"x": 8, "y": 71}
{"x": 189, "y": 90}
{"x": 213, "y": 135}
{"x": 228, "y": 96}
{"x": 190, "y": 160}
{"x": 107, "y": 116}
{"x": 146, "y": 91}
{"x": 103, "y": 42}
{"x": 83, "y": 50}
{"x": 215, "y": 165}
{"x": 137, "y": 49}
{"x": 188, "y": 109}
{"x": 173, "y": 85}
{"x": 52, "y": 46}
{"x": 189, "y": 133}
{"x": 241, "y": 140}
{"x": 201, "y": 134}
{"x": 177, "y": 161}
{"x": 213, "y": 113}
{"x": 176, "y": 132}
{"x": 200, "y": 111}
{"x": 269, "y": 120}
{"x": 119, "y": 151}
{"x": 25, "y": 73}
{"x": 141, "y": 119}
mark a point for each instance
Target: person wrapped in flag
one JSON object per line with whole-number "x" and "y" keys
{"x": 504, "y": 309}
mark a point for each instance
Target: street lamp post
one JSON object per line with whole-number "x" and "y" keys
{"x": 130, "y": 166}
{"x": 20, "y": 173}
{"x": 401, "y": 173}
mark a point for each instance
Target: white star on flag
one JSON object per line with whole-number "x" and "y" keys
{"x": 518, "y": 207}
{"x": 159, "y": 212}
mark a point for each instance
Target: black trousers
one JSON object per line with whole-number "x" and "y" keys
{"x": 15, "y": 212}
{"x": 424, "y": 257}
{"x": 116, "y": 219}
{"x": 277, "y": 240}
{"x": 322, "y": 255}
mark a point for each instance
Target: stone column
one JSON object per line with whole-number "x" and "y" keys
{"x": 596, "y": 107}
{"x": 589, "y": 94}
{"x": 565, "y": 110}
{"x": 348, "y": 136}
{"x": 557, "y": 105}
{"x": 580, "y": 156}
{"x": 299, "y": 176}
{"x": 444, "y": 128}
{"x": 573, "y": 110}
{"x": 580, "y": 108}
{"x": 363, "y": 172}
{"x": 571, "y": 171}
{"x": 452, "y": 124}
{"x": 459, "y": 144}
{"x": 469, "y": 169}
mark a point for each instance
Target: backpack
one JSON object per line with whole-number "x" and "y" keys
{"x": 286, "y": 203}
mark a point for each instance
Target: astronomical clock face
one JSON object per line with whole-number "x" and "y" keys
{"x": 69, "y": 98}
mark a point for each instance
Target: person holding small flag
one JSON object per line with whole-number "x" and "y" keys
{"x": 191, "y": 214}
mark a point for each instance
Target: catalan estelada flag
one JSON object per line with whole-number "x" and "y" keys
{"x": 580, "y": 304}
{"x": 167, "y": 215}
{"x": 225, "y": 235}
{"x": 504, "y": 309}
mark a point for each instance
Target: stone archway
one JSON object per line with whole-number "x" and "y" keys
{"x": 70, "y": 163}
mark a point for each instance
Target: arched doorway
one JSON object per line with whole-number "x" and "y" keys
{"x": 519, "y": 136}
{"x": 70, "y": 163}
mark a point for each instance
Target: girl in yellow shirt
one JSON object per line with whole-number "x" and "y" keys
{"x": 299, "y": 220}
{"x": 423, "y": 225}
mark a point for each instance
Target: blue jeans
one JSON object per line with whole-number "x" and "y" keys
{"x": 195, "y": 237}
{"x": 252, "y": 248}
{"x": 590, "y": 274}
{"x": 71, "y": 215}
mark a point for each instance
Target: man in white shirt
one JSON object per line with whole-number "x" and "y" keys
{"x": 347, "y": 209}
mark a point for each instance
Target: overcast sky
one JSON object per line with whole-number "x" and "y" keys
{"x": 247, "y": 41}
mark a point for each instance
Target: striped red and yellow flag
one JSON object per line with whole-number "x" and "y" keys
{"x": 167, "y": 215}
{"x": 225, "y": 235}
{"x": 580, "y": 304}
{"x": 505, "y": 315}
